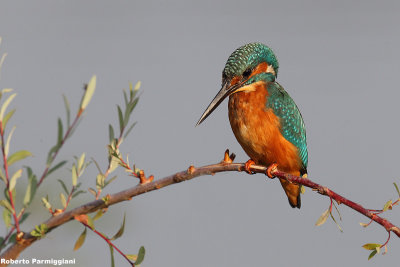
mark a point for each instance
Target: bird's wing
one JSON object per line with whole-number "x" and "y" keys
{"x": 293, "y": 128}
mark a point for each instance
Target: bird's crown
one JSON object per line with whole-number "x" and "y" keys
{"x": 248, "y": 57}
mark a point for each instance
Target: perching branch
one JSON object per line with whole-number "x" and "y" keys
{"x": 192, "y": 172}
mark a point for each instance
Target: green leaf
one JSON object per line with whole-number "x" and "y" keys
{"x": 63, "y": 200}
{"x": 100, "y": 181}
{"x": 140, "y": 256}
{"x": 372, "y": 254}
{"x": 90, "y": 222}
{"x": 78, "y": 193}
{"x": 5, "y": 105}
{"x": 98, "y": 215}
{"x": 91, "y": 87}
{"x": 371, "y": 246}
{"x": 24, "y": 217}
{"x": 388, "y": 205}
{"x": 7, "y": 217}
{"x": 120, "y": 231}
{"x": 60, "y": 131}
{"x": 129, "y": 130}
{"x": 81, "y": 239}
{"x": 46, "y": 203}
{"x": 3, "y": 177}
{"x": 30, "y": 189}
{"x": 338, "y": 226}
{"x": 107, "y": 182}
{"x": 322, "y": 219}
{"x": 81, "y": 162}
{"x": 92, "y": 191}
{"x": 7, "y": 146}
{"x": 19, "y": 155}
{"x": 57, "y": 166}
{"x": 63, "y": 186}
{"x": 125, "y": 96}
{"x": 40, "y": 230}
{"x": 74, "y": 175}
{"x": 13, "y": 180}
{"x": 112, "y": 256}
{"x": 111, "y": 134}
{"x": 6, "y": 204}
{"x": 121, "y": 119}
{"x": 7, "y": 117}
{"x": 68, "y": 110}
{"x": 397, "y": 189}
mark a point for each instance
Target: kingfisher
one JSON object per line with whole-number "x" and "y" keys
{"x": 264, "y": 118}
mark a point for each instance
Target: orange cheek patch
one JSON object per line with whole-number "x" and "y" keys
{"x": 235, "y": 80}
{"x": 262, "y": 67}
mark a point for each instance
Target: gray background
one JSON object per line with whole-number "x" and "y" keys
{"x": 338, "y": 60}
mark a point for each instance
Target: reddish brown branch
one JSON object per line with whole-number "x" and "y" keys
{"x": 14, "y": 250}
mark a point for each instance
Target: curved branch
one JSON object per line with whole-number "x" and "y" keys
{"x": 14, "y": 250}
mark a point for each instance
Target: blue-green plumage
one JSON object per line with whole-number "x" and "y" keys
{"x": 292, "y": 124}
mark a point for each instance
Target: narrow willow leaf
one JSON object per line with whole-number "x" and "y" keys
{"x": 78, "y": 193}
{"x": 63, "y": 200}
{"x": 81, "y": 239}
{"x": 57, "y": 166}
{"x": 371, "y": 246}
{"x": 112, "y": 256}
{"x": 337, "y": 210}
{"x": 129, "y": 129}
{"x": 111, "y": 134}
{"x": 5, "y": 105}
{"x": 24, "y": 217}
{"x": 140, "y": 256}
{"x": 90, "y": 222}
{"x": 19, "y": 155}
{"x": 6, "y": 204}
{"x": 46, "y": 203}
{"x": 92, "y": 191}
{"x": 109, "y": 181}
{"x": 364, "y": 224}
{"x": 7, "y": 146}
{"x": 3, "y": 57}
{"x": 13, "y": 180}
{"x": 60, "y": 131}
{"x": 137, "y": 86}
{"x": 120, "y": 119}
{"x": 338, "y": 226}
{"x": 98, "y": 215}
{"x": 120, "y": 231}
{"x": 7, "y": 217}
{"x": 3, "y": 177}
{"x": 74, "y": 175}
{"x": 81, "y": 162}
{"x": 7, "y": 117}
{"x": 125, "y": 97}
{"x": 372, "y": 254}
{"x": 322, "y": 219}
{"x": 132, "y": 257}
{"x": 388, "y": 205}
{"x": 91, "y": 87}
{"x": 397, "y": 189}
{"x": 68, "y": 110}
{"x": 30, "y": 189}
{"x": 100, "y": 181}
{"x": 63, "y": 186}
{"x": 50, "y": 155}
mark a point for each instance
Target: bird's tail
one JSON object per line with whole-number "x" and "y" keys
{"x": 293, "y": 191}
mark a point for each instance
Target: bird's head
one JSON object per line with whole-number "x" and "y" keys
{"x": 246, "y": 65}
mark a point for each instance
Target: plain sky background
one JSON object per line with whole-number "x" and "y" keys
{"x": 339, "y": 60}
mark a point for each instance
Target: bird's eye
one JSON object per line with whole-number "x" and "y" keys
{"x": 246, "y": 73}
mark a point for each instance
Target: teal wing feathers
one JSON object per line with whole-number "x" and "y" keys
{"x": 293, "y": 128}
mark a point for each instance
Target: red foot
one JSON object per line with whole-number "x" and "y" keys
{"x": 271, "y": 169}
{"x": 247, "y": 166}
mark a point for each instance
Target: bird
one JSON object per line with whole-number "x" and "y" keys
{"x": 264, "y": 119}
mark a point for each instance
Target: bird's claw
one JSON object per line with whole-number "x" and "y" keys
{"x": 271, "y": 169}
{"x": 247, "y": 166}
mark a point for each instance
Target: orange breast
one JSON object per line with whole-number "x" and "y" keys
{"x": 257, "y": 129}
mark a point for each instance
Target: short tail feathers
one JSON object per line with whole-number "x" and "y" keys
{"x": 293, "y": 192}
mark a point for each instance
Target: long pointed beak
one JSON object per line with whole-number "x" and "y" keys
{"x": 222, "y": 94}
